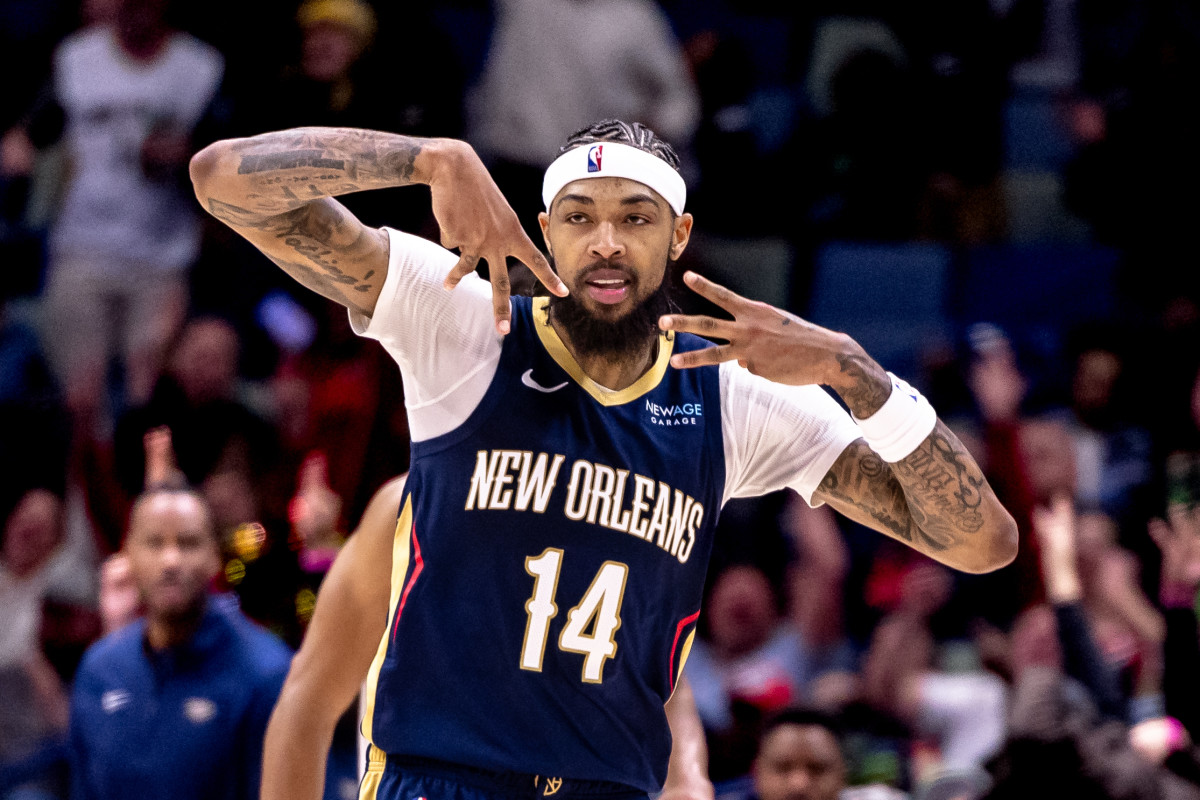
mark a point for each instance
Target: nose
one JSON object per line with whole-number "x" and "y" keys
{"x": 170, "y": 557}
{"x": 605, "y": 243}
{"x": 799, "y": 781}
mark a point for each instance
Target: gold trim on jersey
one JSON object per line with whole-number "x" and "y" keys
{"x": 400, "y": 555}
{"x": 605, "y": 397}
{"x": 683, "y": 656}
{"x": 368, "y": 787}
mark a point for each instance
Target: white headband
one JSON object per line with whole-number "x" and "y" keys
{"x": 614, "y": 160}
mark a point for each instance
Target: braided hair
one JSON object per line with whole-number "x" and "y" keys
{"x": 634, "y": 134}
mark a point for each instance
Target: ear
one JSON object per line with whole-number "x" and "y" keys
{"x": 544, "y": 221}
{"x": 680, "y": 235}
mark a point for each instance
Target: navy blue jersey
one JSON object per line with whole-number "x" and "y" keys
{"x": 185, "y": 722}
{"x": 548, "y": 568}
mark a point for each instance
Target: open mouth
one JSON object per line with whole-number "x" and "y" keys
{"x": 608, "y": 285}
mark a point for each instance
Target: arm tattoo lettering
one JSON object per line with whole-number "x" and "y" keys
{"x": 269, "y": 162}
{"x": 944, "y": 484}
{"x": 933, "y": 499}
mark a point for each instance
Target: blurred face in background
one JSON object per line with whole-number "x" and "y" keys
{"x": 205, "y": 361}
{"x": 328, "y": 51}
{"x": 799, "y": 762}
{"x": 741, "y": 612}
{"x": 1049, "y": 457}
{"x": 173, "y": 553}
{"x": 1096, "y": 374}
{"x": 32, "y": 532}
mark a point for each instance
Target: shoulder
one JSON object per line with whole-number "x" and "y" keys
{"x": 113, "y": 651}
{"x": 408, "y": 248}
{"x": 739, "y": 384}
{"x": 188, "y": 46}
{"x": 262, "y": 652}
{"x": 85, "y": 44}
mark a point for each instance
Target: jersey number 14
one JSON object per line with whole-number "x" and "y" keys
{"x": 591, "y": 625}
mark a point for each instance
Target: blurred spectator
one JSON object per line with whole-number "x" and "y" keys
{"x": 342, "y": 79}
{"x": 1178, "y": 538}
{"x": 33, "y": 704}
{"x": 175, "y": 704}
{"x": 1067, "y": 731}
{"x": 1113, "y": 453}
{"x": 131, "y": 95}
{"x": 993, "y": 425}
{"x": 1137, "y": 157}
{"x": 555, "y": 66}
{"x": 338, "y": 396}
{"x": 956, "y": 712}
{"x": 799, "y": 757}
{"x": 762, "y": 652}
{"x": 214, "y": 430}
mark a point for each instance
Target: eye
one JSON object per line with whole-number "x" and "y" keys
{"x": 638, "y": 219}
{"x": 576, "y": 218}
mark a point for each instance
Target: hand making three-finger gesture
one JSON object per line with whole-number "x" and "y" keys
{"x": 476, "y": 220}
{"x": 769, "y": 342}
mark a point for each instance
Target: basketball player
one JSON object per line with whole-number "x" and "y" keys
{"x": 570, "y": 453}
{"x": 350, "y": 619}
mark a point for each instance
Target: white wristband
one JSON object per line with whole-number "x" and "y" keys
{"x": 902, "y": 423}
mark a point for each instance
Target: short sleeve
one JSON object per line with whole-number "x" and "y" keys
{"x": 445, "y": 342}
{"x": 778, "y": 436}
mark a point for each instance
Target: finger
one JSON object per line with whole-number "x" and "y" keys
{"x": 465, "y": 266}
{"x": 314, "y": 473}
{"x": 703, "y": 358}
{"x": 1182, "y": 518}
{"x": 501, "y": 290}
{"x": 540, "y": 267}
{"x": 727, "y": 299}
{"x": 1160, "y": 532}
{"x": 699, "y": 324}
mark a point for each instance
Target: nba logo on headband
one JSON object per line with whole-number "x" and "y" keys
{"x": 594, "y": 156}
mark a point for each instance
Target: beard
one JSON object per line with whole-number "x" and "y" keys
{"x": 612, "y": 340}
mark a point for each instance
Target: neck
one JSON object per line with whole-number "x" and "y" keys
{"x": 612, "y": 370}
{"x": 143, "y": 46}
{"x": 170, "y": 631}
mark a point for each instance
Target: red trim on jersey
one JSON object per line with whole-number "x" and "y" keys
{"x": 418, "y": 564}
{"x": 683, "y": 623}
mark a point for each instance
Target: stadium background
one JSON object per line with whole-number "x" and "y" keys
{"x": 996, "y": 197}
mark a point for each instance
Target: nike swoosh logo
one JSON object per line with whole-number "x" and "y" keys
{"x": 528, "y": 380}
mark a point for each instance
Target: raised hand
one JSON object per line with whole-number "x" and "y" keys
{"x": 1055, "y": 529}
{"x": 160, "y": 459}
{"x": 768, "y": 341}
{"x": 476, "y": 220}
{"x": 1178, "y": 537}
{"x": 315, "y": 508}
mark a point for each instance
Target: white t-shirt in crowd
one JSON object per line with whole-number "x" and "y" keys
{"x": 113, "y": 213}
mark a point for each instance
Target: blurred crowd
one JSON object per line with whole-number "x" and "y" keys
{"x": 996, "y": 197}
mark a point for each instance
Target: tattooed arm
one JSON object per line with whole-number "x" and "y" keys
{"x": 936, "y": 499}
{"x": 277, "y": 190}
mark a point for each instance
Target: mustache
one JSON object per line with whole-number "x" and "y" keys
{"x": 607, "y": 263}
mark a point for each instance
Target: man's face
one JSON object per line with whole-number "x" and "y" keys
{"x": 799, "y": 762}
{"x": 611, "y": 240}
{"x": 173, "y": 553}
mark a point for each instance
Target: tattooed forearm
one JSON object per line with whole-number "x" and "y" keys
{"x": 944, "y": 483}
{"x": 868, "y": 388}
{"x": 935, "y": 499}
{"x": 861, "y": 480}
{"x": 280, "y": 171}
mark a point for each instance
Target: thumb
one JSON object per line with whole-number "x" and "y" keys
{"x": 314, "y": 472}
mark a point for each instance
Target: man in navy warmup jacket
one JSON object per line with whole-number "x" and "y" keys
{"x": 175, "y": 705}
